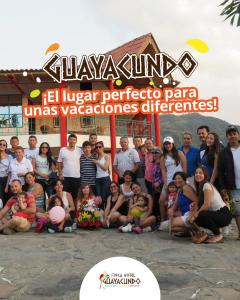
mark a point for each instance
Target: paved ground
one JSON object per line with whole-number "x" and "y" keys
{"x": 52, "y": 266}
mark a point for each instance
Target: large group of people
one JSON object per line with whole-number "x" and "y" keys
{"x": 183, "y": 189}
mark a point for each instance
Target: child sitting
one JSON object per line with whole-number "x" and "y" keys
{"x": 57, "y": 221}
{"x": 138, "y": 211}
{"x": 88, "y": 213}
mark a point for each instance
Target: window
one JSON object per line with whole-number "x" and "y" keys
{"x": 56, "y": 122}
{"x": 11, "y": 111}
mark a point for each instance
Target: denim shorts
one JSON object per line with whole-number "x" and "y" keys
{"x": 235, "y": 196}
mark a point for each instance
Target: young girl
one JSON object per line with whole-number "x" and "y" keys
{"x": 65, "y": 225}
{"x": 88, "y": 213}
{"x": 138, "y": 211}
{"x": 171, "y": 197}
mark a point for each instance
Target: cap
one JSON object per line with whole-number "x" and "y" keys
{"x": 231, "y": 128}
{"x": 168, "y": 139}
{"x": 156, "y": 150}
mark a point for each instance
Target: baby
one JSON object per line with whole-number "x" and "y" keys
{"x": 20, "y": 204}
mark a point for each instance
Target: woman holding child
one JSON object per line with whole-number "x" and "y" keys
{"x": 139, "y": 216}
{"x": 185, "y": 202}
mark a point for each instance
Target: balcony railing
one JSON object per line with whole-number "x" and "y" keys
{"x": 98, "y": 125}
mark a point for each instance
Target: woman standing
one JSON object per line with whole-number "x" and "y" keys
{"x": 37, "y": 190}
{"x": 4, "y": 169}
{"x": 213, "y": 212}
{"x": 210, "y": 156}
{"x": 186, "y": 197}
{"x": 44, "y": 167}
{"x": 102, "y": 176}
{"x": 172, "y": 161}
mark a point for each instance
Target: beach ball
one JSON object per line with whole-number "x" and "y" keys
{"x": 57, "y": 214}
{"x": 136, "y": 213}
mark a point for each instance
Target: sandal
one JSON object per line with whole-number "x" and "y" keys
{"x": 215, "y": 240}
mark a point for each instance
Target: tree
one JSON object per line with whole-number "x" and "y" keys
{"x": 231, "y": 10}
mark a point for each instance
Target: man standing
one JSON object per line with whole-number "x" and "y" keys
{"x": 137, "y": 141}
{"x": 88, "y": 168}
{"x": 22, "y": 219}
{"x": 93, "y": 141}
{"x": 202, "y": 132}
{"x": 149, "y": 166}
{"x": 32, "y": 151}
{"x": 126, "y": 159}
{"x": 69, "y": 166}
{"x": 229, "y": 171}
{"x": 192, "y": 154}
{"x": 14, "y": 142}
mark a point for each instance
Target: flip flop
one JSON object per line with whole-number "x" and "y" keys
{"x": 209, "y": 241}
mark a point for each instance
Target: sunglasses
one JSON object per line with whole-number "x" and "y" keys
{"x": 44, "y": 147}
{"x": 1, "y": 144}
{"x": 98, "y": 147}
{"x": 112, "y": 186}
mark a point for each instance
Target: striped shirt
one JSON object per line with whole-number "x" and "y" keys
{"x": 88, "y": 169}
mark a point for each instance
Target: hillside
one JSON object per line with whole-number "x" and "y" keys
{"x": 175, "y": 126}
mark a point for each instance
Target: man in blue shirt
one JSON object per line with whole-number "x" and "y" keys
{"x": 192, "y": 154}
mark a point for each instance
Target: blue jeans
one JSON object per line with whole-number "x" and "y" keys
{"x": 103, "y": 189}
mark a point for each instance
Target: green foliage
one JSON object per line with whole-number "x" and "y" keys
{"x": 231, "y": 10}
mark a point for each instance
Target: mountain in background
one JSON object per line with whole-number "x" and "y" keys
{"x": 175, "y": 126}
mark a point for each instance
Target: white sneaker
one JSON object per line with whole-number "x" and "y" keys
{"x": 74, "y": 226}
{"x": 127, "y": 228}
{"x": 147, "y": 229}
{"x": 1, "y": 204}
{"x": 68, "y": 229}
{"x": 225, "y": 231}
{"x": 164, "y": 226}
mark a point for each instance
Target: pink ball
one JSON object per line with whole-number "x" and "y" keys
{"x": 57, "y": 214}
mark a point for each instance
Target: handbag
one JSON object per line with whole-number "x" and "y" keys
{"x": 198, "y": 236}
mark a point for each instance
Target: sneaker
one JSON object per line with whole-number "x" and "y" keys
{"x": 51, "y": 230}
{"x": 74, "y": 226}
{"x": 68, "y": 229}
{"x": 225, "y": 231}
{"x": 127, "y": 228}
{"x": 164, "y": 226}
{"x": 147, "y": 229}
{"x": 137, "y": 229}
{"x": 8, "y": 231}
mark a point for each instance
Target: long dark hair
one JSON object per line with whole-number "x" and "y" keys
{"x": 174, "y": 154}
{"x": 212, "y": 150}
{"x": 50, "y": 158}
{"x": 199, "y": 185}
{"x": 52, "y": 202}
{"x": 80, "y": 195}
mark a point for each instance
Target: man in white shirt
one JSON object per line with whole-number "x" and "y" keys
{"x": 126, "y": 159}
{"x": 69, "y": 166}
{"x": 32, "y": 151}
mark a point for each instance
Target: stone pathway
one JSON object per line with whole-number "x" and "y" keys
{"x": 51, "y": 267}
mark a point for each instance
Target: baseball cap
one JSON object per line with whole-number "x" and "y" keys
{"x": 231, "y": 128}
{"x": 156, "y": 150}
{"x": 168, "y": 139}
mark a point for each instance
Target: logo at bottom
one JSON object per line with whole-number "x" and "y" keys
{"x": 120, "y": 277}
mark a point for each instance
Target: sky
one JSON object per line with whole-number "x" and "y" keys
{"x": 84, "y": 27}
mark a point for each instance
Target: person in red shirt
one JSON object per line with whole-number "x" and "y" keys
{"x": 24, "y": 217}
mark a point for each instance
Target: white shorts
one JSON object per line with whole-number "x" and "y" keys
{"x": 185, "y": 219}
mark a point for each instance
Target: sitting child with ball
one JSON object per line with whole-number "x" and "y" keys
{"x": 57, "y": 221}
{"x": 138, "y": 211}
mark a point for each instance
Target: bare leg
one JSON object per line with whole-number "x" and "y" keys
{"x": 149, "y": 221}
